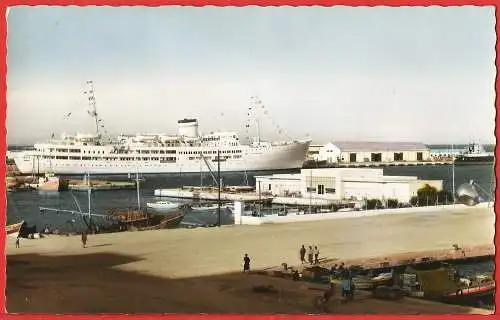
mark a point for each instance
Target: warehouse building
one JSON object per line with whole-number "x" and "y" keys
{"x": 338, "y": 184}
{"x": 373, "y": 152}
{"x": 313, "y": 152}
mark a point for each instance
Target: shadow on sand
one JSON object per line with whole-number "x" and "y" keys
{"x": 93, "y": 283}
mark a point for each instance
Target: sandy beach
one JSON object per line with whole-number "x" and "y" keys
{"x": 198, "y": 270}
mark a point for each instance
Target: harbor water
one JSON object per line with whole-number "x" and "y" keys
{"x": 25, "y": 205}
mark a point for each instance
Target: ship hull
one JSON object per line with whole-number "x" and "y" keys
{"x": 280, "y": 157}
{"x": 474, "y": 160}
{"x": 13, "y": 229}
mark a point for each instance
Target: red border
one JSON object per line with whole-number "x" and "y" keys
{"x": 3, "y": 69}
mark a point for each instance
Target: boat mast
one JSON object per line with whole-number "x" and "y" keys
{"x": 258, "y": 130}
{"x": 138, "y": 193}
{"x": 89, "y": 191}
{"x": 310, "y": 191}
{"x": 453, "y": 171}
{"x": 260, "y": 202}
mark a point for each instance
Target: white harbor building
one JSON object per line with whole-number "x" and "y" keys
{"x": 356, "y": 152}
{"x": 336, "y": 184}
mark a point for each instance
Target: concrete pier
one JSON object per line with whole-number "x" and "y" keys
{"x": 377, "y": 164}
{"x": 100, "y": 185}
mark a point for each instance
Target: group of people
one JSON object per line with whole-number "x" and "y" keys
{"x": 312, "y": 254}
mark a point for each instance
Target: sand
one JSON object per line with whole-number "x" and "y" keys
{"x": 198, "y": 270}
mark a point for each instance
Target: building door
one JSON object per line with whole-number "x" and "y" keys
{"x": 352, "y": 157}
{"x": 420, "y": 156}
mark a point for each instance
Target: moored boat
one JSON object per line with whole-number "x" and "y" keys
{"x": 163, "y": 205}
{"x": 185, "y": 151}
{"x": 474, "y": 154}
{"x": 12, "y": 230}
{"x": 50, "y": 182}
{"x": 164, "y": 222}
{"x": 211, "y": 207}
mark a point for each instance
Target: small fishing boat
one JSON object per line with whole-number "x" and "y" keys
{"x": 211, "y": 207}
{"x": 382, "y": 279}
{"x": 12, "y": 230}
{"x": 477, "y": 287}
{"x": 163, "y": 205}
{"x": 51, "y": 182}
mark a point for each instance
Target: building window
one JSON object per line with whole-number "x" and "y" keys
{"x": 376, "y": 157}
{"x": 311, "y": 189}
{"x": 321, "y": 189}
{"x": 398, "y": 156}
{"x": 329, "y": 190}
{"x": 420, "y": 156}
{"x": 352, "y": 157}
{"x": 269, "y": 187}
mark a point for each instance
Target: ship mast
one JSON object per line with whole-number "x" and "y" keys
{"x": 259, "y": 111}
{"x": 93, "y": 110}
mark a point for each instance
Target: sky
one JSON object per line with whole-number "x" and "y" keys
{"x": 337, "y": 73}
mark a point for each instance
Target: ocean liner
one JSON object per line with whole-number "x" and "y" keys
{"x": 187, "y": 151}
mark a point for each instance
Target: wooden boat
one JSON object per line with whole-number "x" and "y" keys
{"x": 164, "y": 222}
{"x": 480, "y": 286}
{"x": 128, "y": 216}
{"x": 12, "y": 230}
{"x": 123, "y": 220}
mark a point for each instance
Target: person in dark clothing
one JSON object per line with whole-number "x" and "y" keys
{"x": 329, "y": 293}
{"x": 246, "y": 263}
{"x": 84, "y": 239}
{"x": 333, "y": 270}
{"x": 17, "y": 242}
{"x": 341, "y": 268}
{"x": 303, "y": 254}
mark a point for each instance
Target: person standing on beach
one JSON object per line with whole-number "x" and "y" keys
{"x": 310, "y": 254}
{"x": 303, "y": 254}
{"x": 84, "y": 239}
{"x": 246, "y": 263}
{"x": 316, "y": 255}
{"x": 17, "y": 242}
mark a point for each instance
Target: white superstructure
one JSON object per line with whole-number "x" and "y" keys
{"x": 187, "y": 151}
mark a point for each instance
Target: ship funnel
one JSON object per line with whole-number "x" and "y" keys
{"x": 188, "y": 128}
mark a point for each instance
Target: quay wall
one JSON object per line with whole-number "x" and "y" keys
{"x": 272, "y": 219}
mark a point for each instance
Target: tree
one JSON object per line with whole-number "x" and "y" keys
{"x": 372, "y": 204}
{"x": 430, "y": 196}
{"x": 392, "y": 203}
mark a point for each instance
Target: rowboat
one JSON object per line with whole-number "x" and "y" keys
{"x": 12, "y": 230}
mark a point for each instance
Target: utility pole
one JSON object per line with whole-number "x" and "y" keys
{"x": 218, "y": 192}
